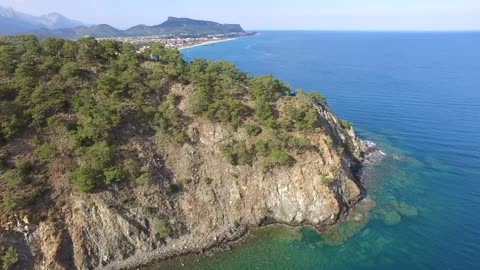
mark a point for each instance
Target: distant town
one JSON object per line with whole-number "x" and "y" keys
{"x": 178, "y": 41}
{"x": 174, "y": 32}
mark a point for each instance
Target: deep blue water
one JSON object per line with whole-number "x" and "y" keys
{"x": 418, "y": 96}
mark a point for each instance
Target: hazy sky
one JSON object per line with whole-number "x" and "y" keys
{"x": 271, "y": 14}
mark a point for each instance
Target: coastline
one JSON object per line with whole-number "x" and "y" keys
{"x": 230, "y": 238}
{"x": 241, "y": 235}
{"x": 196, "y": 247}
{"x": 207, "y": 43}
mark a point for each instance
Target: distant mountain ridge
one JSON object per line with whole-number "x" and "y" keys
{"x": 172, "y": 26}
{"x": 14, "y": 22}
{"x": 57, "y": 25}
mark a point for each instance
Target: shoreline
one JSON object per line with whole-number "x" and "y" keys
{"x": 230, "y": 238}
{"x": 207, "y": 43}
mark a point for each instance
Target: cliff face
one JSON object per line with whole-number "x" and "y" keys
{"x": 115, "y": 228}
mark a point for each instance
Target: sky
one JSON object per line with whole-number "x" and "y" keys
{"x": 271, "y": 14}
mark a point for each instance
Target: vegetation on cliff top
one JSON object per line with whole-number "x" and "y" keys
{"x": 10, "y": 258}
{"x": 81, "y": 101}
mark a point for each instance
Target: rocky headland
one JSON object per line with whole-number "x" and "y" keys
{"x": 190, "y": 176}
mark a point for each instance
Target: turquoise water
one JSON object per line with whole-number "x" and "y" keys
{"x": 417, "y": 95}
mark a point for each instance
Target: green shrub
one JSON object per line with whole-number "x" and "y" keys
{"x": 318, "y": 98}
{"x": 275, "y": 158}
{"x": 280, "y": 157}
{"x": 45, "y": 152}
{"x": 228, "y": 110}
{"x": 24, "y": 167}
{"x": 13, "y": 202}
{"x": 253, "y": 130}
{"x": 350, "y": 147}
{"x": 175, "y": 188}
{"x": 327, "y": 179}
{"x": 72, "y": 126}
{"x": 56, "y": 121}
{"x": 302, "y": 118}
{"x": 96, "y": 160}
{"x": 35, "y": 141}
{"x": 84, "y": 179}
{"x": 10, "y": 202}
{"x": 298, "y": 143}
{"x": 262, "y": 147}
{"x": 161, "y": 228}
{"x": 237, "y": 153}
{"x": 112, "y": 174}
{"x": 35, "y": 195}
{"x": 9, "y": 259}
{"x": 132, "y": 168}
{"x": 144, "y": 180}
{"x": 267, "y": 87}
{"x": 263, "y": 110}
{"x": 98, "y": 155}
{"x": 170, "y": 121}
{"x": 199, "y": 102}
{"x": 180, "y": 137}
{"x": 346, "y": 124}
{"x": 14, "y": 178}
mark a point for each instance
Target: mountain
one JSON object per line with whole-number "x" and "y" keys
{"x": 185, "y": 26}
{"x": 173, "y": 26}
{"x": 13, "y": 26}
{"x": 56, "y": 21}
{"x": 13, "y": 22}
{"x": 179, "y": 25}
{"x": 57, "y": 25}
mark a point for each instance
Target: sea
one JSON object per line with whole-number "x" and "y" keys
{"x": 417, "y": 96}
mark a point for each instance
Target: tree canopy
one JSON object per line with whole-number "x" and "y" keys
{"x": 93, "y": 89}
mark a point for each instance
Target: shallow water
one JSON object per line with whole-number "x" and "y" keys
{"x": 417, "y": 95}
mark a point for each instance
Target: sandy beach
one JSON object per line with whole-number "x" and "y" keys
{"x": 206, "y": 43}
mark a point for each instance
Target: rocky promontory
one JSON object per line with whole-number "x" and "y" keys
{"x": 149, "y": 157}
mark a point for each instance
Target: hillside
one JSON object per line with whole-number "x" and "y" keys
{"x": 112, "y": 158}
{"x": 100, "y": 30}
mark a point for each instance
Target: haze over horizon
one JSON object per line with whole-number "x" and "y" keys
{"x": 416, "y": 15}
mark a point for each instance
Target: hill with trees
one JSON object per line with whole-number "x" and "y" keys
{"x": 114, "y": 157}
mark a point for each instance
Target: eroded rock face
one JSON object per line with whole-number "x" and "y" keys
{"x": 115, "y": 228}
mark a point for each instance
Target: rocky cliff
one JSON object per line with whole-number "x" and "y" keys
{"x": 113, "y": 229}
{"x": 150, "y": 157}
